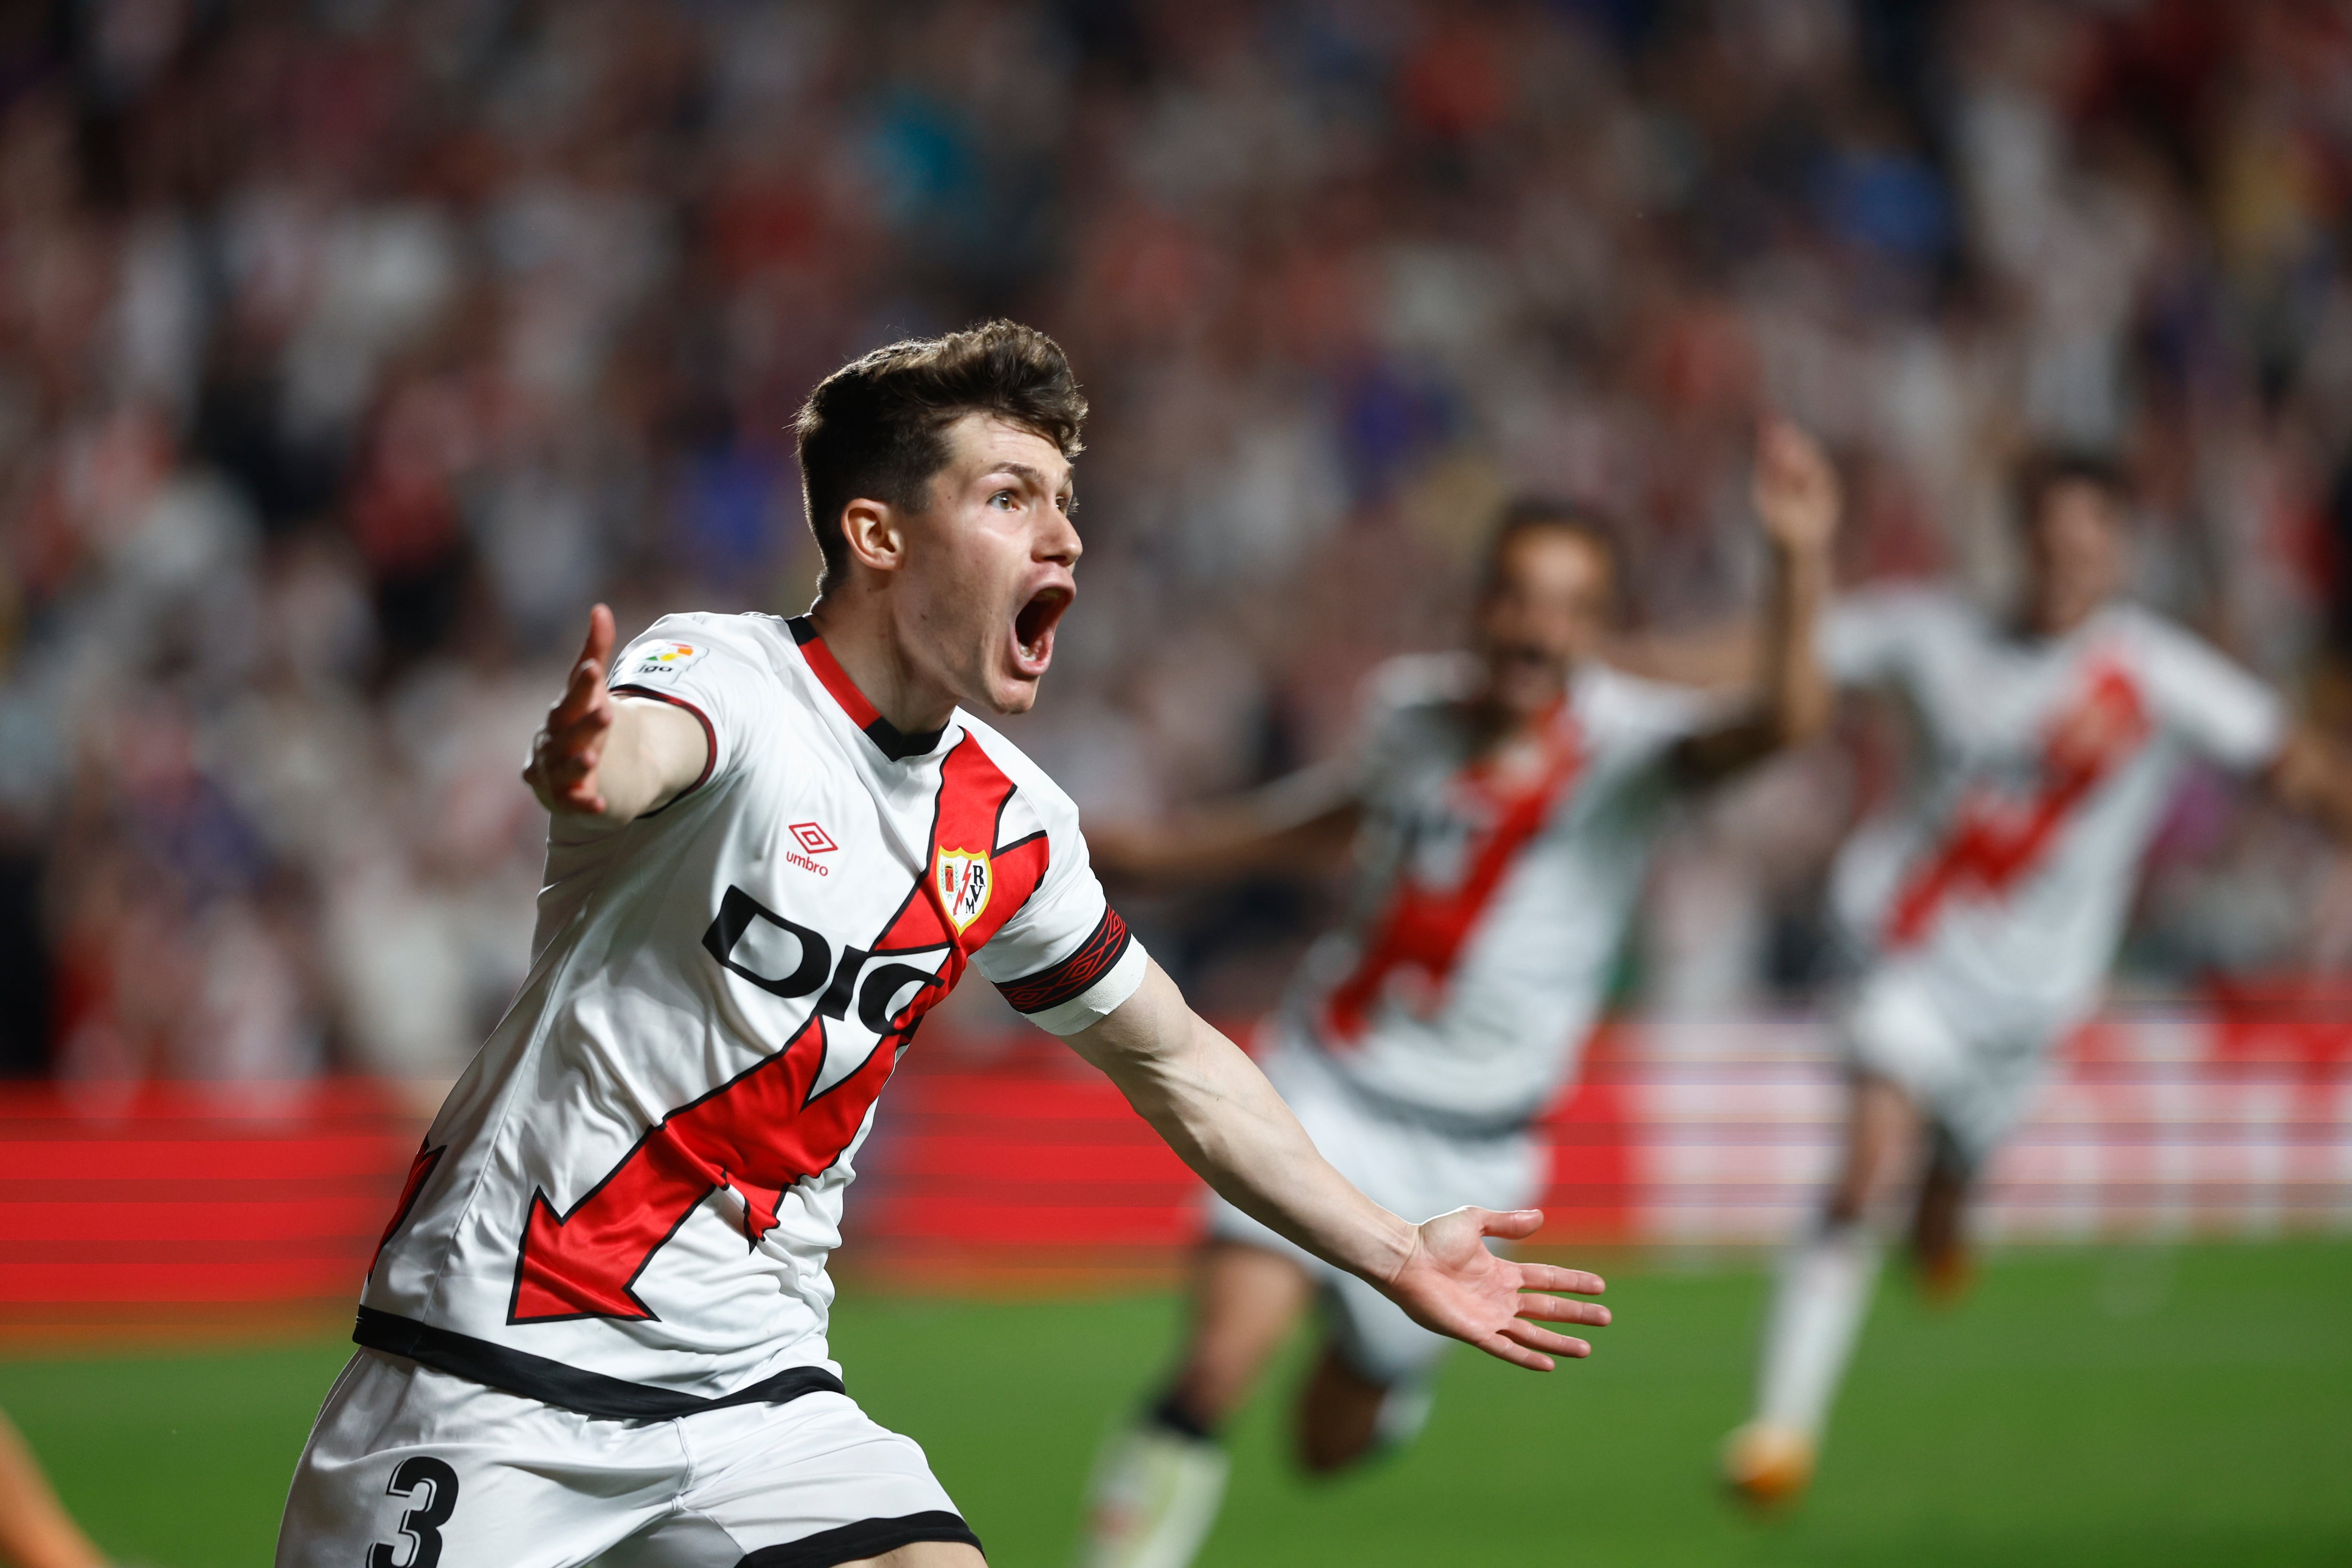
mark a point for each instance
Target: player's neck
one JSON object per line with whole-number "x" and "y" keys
{"x": 859, "y": 635}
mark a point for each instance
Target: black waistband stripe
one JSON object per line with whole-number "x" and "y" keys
{"x": 568, "y": 1387}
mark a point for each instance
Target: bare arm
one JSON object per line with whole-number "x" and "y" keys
{"x": 2313, "y": 775}
{"x": 611, "y": 758}
{"x": 1208, "y": 1099}
{"x": 1301, "y": 823}
{"x": 1796, "y": 497}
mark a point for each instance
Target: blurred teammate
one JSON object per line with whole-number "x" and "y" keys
{"x": 1989, "y": 901}
{"x": 597, "y": 1322}
{"x": 1501, "y": 803}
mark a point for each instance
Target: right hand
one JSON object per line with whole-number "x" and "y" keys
{"x": 1453, "y": 1284}
{"x": 1795, "y": 491}
{"x": 565, "y": 755}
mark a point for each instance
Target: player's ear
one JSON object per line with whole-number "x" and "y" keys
{"x": 875, "y": 534}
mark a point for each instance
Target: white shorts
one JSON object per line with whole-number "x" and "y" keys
{"x": 1975, "y": 1078}
{"x": 411, "y": 1468}
{"x": 1408, "y": 1168}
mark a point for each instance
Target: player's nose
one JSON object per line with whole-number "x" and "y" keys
{"x": 1057, "y": 538}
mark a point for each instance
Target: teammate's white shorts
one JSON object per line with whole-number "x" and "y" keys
{"x": 1411, "y": 1169}
{"x": 411, "y": 1468}
{"x": 1973, "y": 1071}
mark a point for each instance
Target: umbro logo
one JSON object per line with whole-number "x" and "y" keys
{"x": 816, "y": 841}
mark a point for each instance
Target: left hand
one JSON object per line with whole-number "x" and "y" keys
{"x": 1453, "y": 1284}
{"x": 1796, "y": 487}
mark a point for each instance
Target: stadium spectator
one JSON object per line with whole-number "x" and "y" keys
{"x": 346, "y": 350}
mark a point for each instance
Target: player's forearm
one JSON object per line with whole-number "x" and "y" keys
{"x": 1798, "y": 698}
{"x": 1205, "y": 1096}
{"x": 1295, "y": 824}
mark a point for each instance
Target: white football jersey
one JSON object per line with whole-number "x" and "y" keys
{"x": 2002, "y": 880}
{"x": 626, "y": 1204}
{"x": 1492, "y": 895}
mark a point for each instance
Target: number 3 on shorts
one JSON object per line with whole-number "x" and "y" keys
{"x": 431, "y": 1488}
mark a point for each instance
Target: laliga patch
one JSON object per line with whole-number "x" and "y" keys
{"x": 964, "y": 881}
{"x": 664, "y": 657}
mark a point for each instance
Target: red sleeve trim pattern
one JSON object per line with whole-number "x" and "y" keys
{"x": 1074, "y": 975}
{"x": 709, "y": 739}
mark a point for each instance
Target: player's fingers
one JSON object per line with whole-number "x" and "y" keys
{"x": 583, "y": 693}
{"x": 1544, "y": 1339}
{"x": 1511, "y": 1223}
{"x": 1575, "y": 1281}
{"x": 1503, "y": 1348}
{"x": 597, "y": 649}
{"x": 1564, "y": 1309}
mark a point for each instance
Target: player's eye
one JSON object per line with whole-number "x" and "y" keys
{"x": 1006, "y": 500}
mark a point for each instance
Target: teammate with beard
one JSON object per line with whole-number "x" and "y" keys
{"x": 595, "y": 1328}
{"x": 1988, "y": 902}
{"x": 1501, "y": 804}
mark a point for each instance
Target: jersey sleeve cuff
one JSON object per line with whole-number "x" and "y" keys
{"x": 1085, "y": 988}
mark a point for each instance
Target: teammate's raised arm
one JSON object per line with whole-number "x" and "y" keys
{"x": 1214, "y": 1108}
{"x": 607, "y": 756}
{"x": 2314, "y": 775}
{"x": 1304, "y": 822}
{"x": 1797, "y": 500}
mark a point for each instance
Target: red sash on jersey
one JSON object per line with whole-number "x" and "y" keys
{"x": 1993, "y": 847}
{"x": 1424, "y": 928}
{"x": 764, "y": 1131}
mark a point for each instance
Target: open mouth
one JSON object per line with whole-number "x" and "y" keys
{"x": 1033, "y": 630}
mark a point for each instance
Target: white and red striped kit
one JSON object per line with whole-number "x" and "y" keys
{"x": 625, "y": 1209}
{"x": 1493, "y": 894}
{"x": 1987, "y": 902}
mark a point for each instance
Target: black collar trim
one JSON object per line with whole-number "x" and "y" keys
{"x": 889, "y": 739}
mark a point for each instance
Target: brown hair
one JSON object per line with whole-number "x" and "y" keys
{"x": 1526, "y": 514}
{"x": 877, "y": 428}
{"x": 2045, "y": 469}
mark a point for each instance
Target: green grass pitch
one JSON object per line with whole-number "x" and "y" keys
{"x": 2100, "y": 1406}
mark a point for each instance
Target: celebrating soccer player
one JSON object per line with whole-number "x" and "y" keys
{"x": 596, "y": 1322}
{"x": 1989, "y": 902}
{"x": 1501, "y": 803}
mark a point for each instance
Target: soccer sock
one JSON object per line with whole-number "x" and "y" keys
{"x": 1824, "y": 1288}
{"x": 1155, "y": 1492}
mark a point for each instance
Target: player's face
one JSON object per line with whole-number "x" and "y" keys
{"x": 1547, "y": 608}
{"x": 991, "y": 575}
{"x": 2074, "y": 555}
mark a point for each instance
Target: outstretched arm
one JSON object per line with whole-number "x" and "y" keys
{"x": 1208, "y": 1099}
{"x": 1299, "y": 823}
{"x": 607, "y": 757}
{"x": 2314, "y": 775}
{"x": 1796, "y": 497}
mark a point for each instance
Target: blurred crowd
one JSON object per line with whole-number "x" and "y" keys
{"x": 350, "y": 347}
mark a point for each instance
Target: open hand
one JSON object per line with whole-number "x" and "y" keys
{"x": 1453, "y": 1285}
{"x": 565, "y": 754}
{"x": 1796, "y": 487}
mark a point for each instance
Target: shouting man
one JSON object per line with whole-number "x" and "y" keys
{"x": 595, "y": 1330}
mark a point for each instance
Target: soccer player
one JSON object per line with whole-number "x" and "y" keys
{"x": 1501, "y": 803}
{"x": 1989, "y": 902}
{"x": 596, "y": 1324}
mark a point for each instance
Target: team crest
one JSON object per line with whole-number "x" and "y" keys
{"x": 965, "y": 882}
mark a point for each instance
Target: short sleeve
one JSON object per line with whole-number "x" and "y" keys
{"x": 2218, "y": 709}
{"x": 712, "y": 666}
{"x": 1864, "y": 638}
{"x": 1064, "y": 960}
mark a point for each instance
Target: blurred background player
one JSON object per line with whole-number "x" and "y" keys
{"x": 1501, "y": 805}
{"x": 1988, "y": 901}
